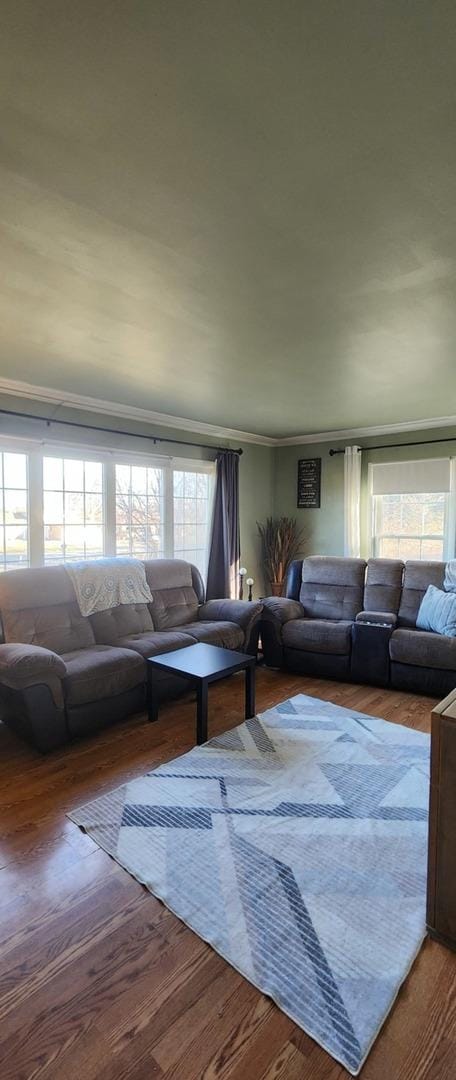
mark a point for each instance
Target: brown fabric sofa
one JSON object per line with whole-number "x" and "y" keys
{"x": 347, "y": 619}
{"x": 63, "y": 675}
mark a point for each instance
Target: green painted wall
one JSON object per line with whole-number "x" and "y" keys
{"x": 324, "y": 528}
{"x": 256, "y": 466}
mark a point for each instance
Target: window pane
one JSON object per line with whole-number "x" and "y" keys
{"x": 434, "y": 515}
{"x": 73, "y": 509}
{"x": 15, "y": 505}
{"x": 14, "y": 535}
{"x": 409, "y": 549}
{"x": 94, "y": 509}
{"x": 16, "y": 546}
{"x": 139, "y": 480}
{"x": 190, "y": 485}
{"x": 432, "y": 549}
{"x": 178, "y": 511}
{"x": 412, "y": 515}
{"x": 93, "y": 537}
{"x": 52, "y": 506}
{"x": 15, "y": 470}
{"x": 93, "y": 476}
{"x": 138, "y": 509}
{"x": 189, "y": 536}
{"x": 53, "y": 473}
{"x": 189, "y": 509}
{"x": 202, "y": 485}
{"x": 123, "y": 509}
{"x": 178, "y": 484}
{"x": 191, "y": 516}
{"x": 139, "y": 516}
{"x": 154, "y": 481}
{"x": 123, "y": 478}
{"x": 410, "y": 526}
{"x": 73, "y": 475}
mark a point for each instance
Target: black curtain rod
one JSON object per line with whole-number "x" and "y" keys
{"x": 48, "y": 420}
{"x": 394, "y": 445}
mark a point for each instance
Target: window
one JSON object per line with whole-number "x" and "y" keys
{"x": 58, "y": 505}
{"x": 72, "y": 509}
{"x": 410, "y": 526}
{"x": 14, "y": 514}
{"x": 192, "y": 505}
{"x": 411, "y": 509}
{"x": 139, "y": 511}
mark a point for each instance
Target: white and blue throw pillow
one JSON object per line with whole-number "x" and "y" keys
{"x": 438, "y": 612}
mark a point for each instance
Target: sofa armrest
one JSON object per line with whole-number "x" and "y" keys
{"x": 377, "y": 618}
{"x": 31, "y": 694}
{"x": 22, "y": 664}
{"x": 242, "y": 612}
{"x": 282, "y": 609}
{"x": 277, "y": 610}
{"x": 245, "y": 613}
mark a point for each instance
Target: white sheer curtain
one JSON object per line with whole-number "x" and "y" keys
{"x": 352, "y": 501}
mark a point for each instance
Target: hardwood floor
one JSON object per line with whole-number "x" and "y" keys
{"x": 98, "y": 981}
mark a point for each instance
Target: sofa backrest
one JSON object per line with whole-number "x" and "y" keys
{"x": 332, "y": 587}
{"x": 121, "y": 622}
{"x": 418, "y": 575}
{"x": 383, "y": 587}
{"x": 39, "y": 607}
{"x": 177, "y": 590}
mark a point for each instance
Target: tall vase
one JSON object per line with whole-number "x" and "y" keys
{"x": 276, "y": 588}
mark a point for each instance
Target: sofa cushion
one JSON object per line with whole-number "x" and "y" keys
{"x": 101, "y": 672}
{"x": 418, "y": 575}
{"x": 318, "y": 635}
{"x": 382, "y": 591}
{"x": 175, "y": 601}
{"x": 59, "y": 627}
{"x": 174, "y": 607}
{"x": 123, "y": 621}
{"x": 226, "y": 634}
{"x": 332, "y": 588}
{"x": 423, "y": 649}
{"x": 39, "y": 607}
{"x": 154, "y": 643}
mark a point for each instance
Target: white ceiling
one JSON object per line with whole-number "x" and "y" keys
{"x": 239, "y": 214}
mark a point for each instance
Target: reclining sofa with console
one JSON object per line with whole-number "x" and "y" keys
{"x": 344, "y": 618}
{"x": 64, "y": 675}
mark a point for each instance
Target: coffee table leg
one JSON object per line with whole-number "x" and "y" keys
{"x": 250, "y": 691}
{"x": 201, "y": 711}
{"x": 152, "y": 696}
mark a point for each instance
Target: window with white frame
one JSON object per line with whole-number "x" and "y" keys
{"x": 72, "y": 509}
{"x": 59, "y": 505}
{"x": 412, "y": 509}
{"x": 192, "y": 508}
{"x": 139, "y": 511}
{"x": 14, "y": 511}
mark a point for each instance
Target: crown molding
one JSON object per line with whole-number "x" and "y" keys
{"x": 60, "y": 398}
{"x": 368, "y": 432}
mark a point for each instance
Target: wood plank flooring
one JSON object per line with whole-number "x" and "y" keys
{"x": 98, "y": 981}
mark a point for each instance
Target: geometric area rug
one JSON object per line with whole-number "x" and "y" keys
{"x": 296, "y": 845}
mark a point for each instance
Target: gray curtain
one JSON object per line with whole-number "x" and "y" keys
{"x": 225, "y": 546}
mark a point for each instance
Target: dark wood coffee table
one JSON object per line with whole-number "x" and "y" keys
{"x": 202, "y": 665}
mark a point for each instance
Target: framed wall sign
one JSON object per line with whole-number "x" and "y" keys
{"x": 309, "y": 483}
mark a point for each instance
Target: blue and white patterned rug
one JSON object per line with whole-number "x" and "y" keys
{"x": 295, "y": 845}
